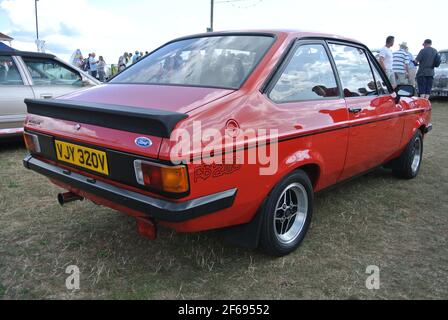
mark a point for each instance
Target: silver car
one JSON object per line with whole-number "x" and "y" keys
{"x": 440, "y": 87}
{"x": 33, "y": 75}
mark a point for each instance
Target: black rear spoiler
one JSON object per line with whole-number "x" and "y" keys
{"x": 152, "y": 122}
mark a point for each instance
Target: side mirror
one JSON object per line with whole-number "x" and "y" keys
{"x": 404, "y": 91}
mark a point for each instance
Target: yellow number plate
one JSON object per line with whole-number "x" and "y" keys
{"x": 82, "y": 157}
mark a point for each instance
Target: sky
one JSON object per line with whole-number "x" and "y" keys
{"x": 111, "y": 27}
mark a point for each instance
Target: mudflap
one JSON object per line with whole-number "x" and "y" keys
{"x": 147, "y": 228}
{"x": 245, "y": 235}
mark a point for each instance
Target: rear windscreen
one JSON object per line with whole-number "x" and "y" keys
{"x": 214, "y": 61}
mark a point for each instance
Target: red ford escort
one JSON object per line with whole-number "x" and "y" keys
{"x": 232, "y": 130}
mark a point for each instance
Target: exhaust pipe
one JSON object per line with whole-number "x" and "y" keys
{"x": 67, "y": 197}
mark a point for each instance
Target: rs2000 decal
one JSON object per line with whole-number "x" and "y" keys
{"x": 205, "y": 171}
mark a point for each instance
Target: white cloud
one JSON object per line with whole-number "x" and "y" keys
{"x": 70, "y": 25}
{"x": 111, "y": 27}
{"x": 24, "y": 46}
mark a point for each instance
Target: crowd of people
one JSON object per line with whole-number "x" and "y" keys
{"x": 97, "y": 67}
{"x": 403, "y": 69}
{"x": 128, "y": 59}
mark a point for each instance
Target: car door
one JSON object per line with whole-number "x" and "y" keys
{"x": 51, "y": 78}
{"x": 14, "y": 88}
{"x": 309, "y": 105}
{"x": 375, "y": 127}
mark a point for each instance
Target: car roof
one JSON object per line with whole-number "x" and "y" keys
{"x": 28, "y": 54}
{"x": 274, "y": 32}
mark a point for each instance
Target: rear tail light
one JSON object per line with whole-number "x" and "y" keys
{"x": 32, "y": 142}
{"x": 172, "y": 179}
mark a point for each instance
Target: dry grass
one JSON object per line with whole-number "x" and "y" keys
{"x": 401, "y": 226}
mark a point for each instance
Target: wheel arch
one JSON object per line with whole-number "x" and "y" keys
{"x": 248, "y": 235}
{"x": 423, "y": 129}
{"x": 312, "y": 170}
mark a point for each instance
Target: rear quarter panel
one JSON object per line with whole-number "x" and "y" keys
{"x": 309, "y": 134}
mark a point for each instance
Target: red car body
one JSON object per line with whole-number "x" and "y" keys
{"x": 321, "y": 137}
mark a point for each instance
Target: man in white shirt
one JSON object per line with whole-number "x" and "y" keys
{"x": 93, "y": 65}
{"x": 387, "y": 60}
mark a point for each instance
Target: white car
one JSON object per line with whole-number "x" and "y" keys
{"x": 33, "y": 75}
{"x": 440, "y": 87}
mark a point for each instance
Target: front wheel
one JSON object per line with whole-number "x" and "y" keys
{"x": 408, "y": 164}
{"x": 287, "y": 214}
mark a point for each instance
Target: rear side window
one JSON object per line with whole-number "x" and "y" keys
{"x": 307, "y": 76}
{"x": 9, "y": 74}
{"x": 354, "y": 71}
{"x": 49, "y": 72}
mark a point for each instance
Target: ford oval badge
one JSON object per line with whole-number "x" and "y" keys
{"x": 143, "y": 142}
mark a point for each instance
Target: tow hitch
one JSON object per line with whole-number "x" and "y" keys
{"x": 147, "y": 228}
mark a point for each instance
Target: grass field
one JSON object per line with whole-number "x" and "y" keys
{"x": 400, "y": 226}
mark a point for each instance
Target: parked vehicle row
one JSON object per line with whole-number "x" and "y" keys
{"x": 33, "y": 75}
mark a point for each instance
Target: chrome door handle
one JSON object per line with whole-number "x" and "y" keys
{"x": 354, "y": 109}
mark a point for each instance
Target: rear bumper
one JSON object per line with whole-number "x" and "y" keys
{"x": 155, "y": 208}
{"x": 439, "y": 92}
{"x": 11, "y": 132}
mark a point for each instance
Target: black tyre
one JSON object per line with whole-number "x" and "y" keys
{"x": 408, "y": 164}
{"x": 287, "y": 214}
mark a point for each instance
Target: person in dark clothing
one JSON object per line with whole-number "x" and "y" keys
{"x": 426, "y": 60}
